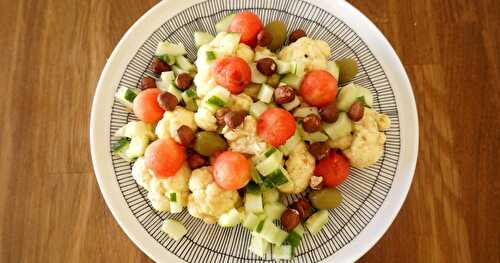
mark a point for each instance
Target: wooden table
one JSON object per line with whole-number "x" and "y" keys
{"x": 52, "y": 53}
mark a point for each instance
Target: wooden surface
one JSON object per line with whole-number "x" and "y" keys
{"x": 51, "y": 55}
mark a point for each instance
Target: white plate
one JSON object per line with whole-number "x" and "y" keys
{"x": 372, "y": 196}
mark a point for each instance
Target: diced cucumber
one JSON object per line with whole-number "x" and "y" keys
{"x": 292, "y": 104}
{"x": 333, "y": 68}
{"x": 175, "y": 204}
{"x": 292, "y": 80}
{"x": 350, "y": 93}
{"x": 189, "y": 94}
{"x": 270, "y": 164}
{"x": 290, "y": 144}
{"x": 191, "y": 105}
{"x": 184, "y": 63}
{"x": 253, "y": 202}
{"x": 211, "y": 55}
{"x": 177, "y": 70}
{"x": 170, "y": 49}
{"x": 168, "y": 77}
{"x": 136, "y": 129}
{"x": 316, "y": 222}
{"x": 272, "y": 233}
{"x": 229, "y": 43}
{"x": 216, "y": 98}
{"x": 163, "y": 85}
{"x": 255, "y": 175}
{"x": 294, "y": 238}
{"x": 302, "y": 112}
{"x": 174, "y": 229}
{"x": 285, "y": 67}
{"x": 126, "y": 97}
{"x": 282, "y": 252}
{"x": 253, "y": 188}
{"x": 173, "y": 197}
{"x": 202, "y": 38}
{"x": 340, "y": 128}
{"x": 299, "y": 69}
{"x": 121, "y": 145}
{"x": 312, "y": 137}
{"x": 265, "y": 93}
{"x": 269, "y": 152}
{"x": 216, "y": 101}
{"x": 175, "y": 91}
{"x": 274, "y": 210}
{"x": 300, "y": 230}
{"x": 137, "y": 147}
{"x": 223, "y": 24}
{"x": 277, "y": 178}
{"x": 251, "y": 221}
{"x": 230, "y": 219}
{"x": 259, "y": 246}
{"x": 270, "y": 195}
{"x": 169, "y": 59}
{"x": 257, "y": 77}
{"x": 258, "y": 108}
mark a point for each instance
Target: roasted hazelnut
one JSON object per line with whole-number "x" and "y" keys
{"x": 295, "y": 35}
{"x": 319, "y": 150}
{"x": 148, "y": 83}
{"x": 304, "y": 207}
{"x": 167, "y": 101}
{"x": 311, "y": 123}
{"x": 290, "y": 219}
{"x": 196, "y": 161}
{"x": 264, "y": 38}
{"x": 186, "y": 135}
{"x": 284, "y": 94}
{"x": 184, "y": 81}
{"x": 356, "y": 111}
{"x": 158, "y": 66}
{"x": 233, "y": 119}
{"x": 219, "y": 115}
{"x": 266, "y": 66}
{"x": 329, "y": 113}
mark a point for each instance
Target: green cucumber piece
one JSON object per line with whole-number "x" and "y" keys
{"x": 251, "y": 221}
{"x": 253, "y": 202}
{"x": 169, "y": 59}
{"x": 292, "y": 80}
{"x": 253, "y": 188}
{"x": 137, "y": 147}
{"x": 270, "y": 195}
{"x": 229, "y": 43}
{"x": 121, "y": 145}
{"x": 257, "y": 77}
{"x": 316, "y": 222}
{"x": 230, "y": 219}
{"x": 276, "y": 178}
{"x": 303, "y": 112}
{"x": 184, "y": 63}
{"x": 258, "y": 108}
{"x": 126, "y": 97}
{"x": 173, "y": 197}
{"x": 167, "y": 48}
{"x": 265, "y": 93}
{"x": 290, "y": 144}
{"x": 292, "y": 104}
{"x": 333, "y": 68}
{"x": 272, "y": 234}
{"x": 350, "y": 93}
{"x": 175, "y": 91}
{"x": 211, "y": 55}
{"x": 282, "y": 252}
{"x": 259, "y": 246}
{"x": 202, "y": 38}
{"x": 223, "y": 24}
{"x": 270, "y": 164}
{"x": 174, "y": 229}
{"x": 294, "y": 238}
{"x": 167, "y": 77}
{"x": 274, "y": 210}
{"x": 256, "y": 176}
{"x": 340, "y": 128}
{"x": 177, "y": 70}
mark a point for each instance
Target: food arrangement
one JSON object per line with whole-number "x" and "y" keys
{"x": 259, "y": 115}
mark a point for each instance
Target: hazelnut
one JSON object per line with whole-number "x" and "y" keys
{"x": 304, "y": 207}
{"x": 148, "y": 83}
{"x": 264, "y": 38}
{"x": 219, "y": 115}
{"x": 266, "y": 66}
{"x": 329, "y": 113}
{"x": 319, "y": 150}
{"x": 167, "y": 101}
{"x": 295, "y": 35}
{"x": 158, "y": 66}
{"x": 356, "y": 111}
{"x": 184, "y": 81}
{"x": 290, "y": 219}
{"x": 233, "y": 119}
{"x": 311, "y": 123}
{"x": 196, "y": 161}
{"x": 284, "y": 94}
{"x": 186, "y": 135}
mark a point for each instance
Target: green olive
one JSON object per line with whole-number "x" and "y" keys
{"x": 273, "y": 80}
{"x": 348, "y": 68}
{"x": 278, "y": 30}
{"x": 209, "y": 142}
{"x": 252, "y": 90}
{"x": 325, "y": 198}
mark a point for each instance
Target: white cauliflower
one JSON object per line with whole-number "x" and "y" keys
{"x": 368, "y": 139}
{"x": 341, "y": 143}
{"x": 160, "y": 189}
{"x": 240, "y": 102}
{"x": 172, "y": 120}
{"x": 300, "y": 167}
{"x": 204, "y": 81}
{"x": 208, "y": 201}
{"x": 141, "y": 174}
{"x": 312, "y": 53}
{"x": 245, "y": 52}
{"x": 205, "y": 119}
{"x": 244, "y": 138}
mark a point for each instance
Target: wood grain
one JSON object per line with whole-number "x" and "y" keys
{"x": 52, "y": 53}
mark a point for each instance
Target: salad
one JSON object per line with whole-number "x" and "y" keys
{"x": 261, "y": 114}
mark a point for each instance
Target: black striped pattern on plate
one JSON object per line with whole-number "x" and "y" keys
{"x": 363, "y": 192}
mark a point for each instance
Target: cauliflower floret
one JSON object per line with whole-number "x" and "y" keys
{"x": 172, "y": 120}
{"x": 312, "y": 53}
{"x": 160, "y": 189}
{"x": 141, "y": 174}
{"x": 205, "y": 119}
{"x": 341, "y": 143}
{"x": 204, "y": 81}
{"x": 208, "y": 201}
{"x": 240, "y": 102}
{"x": 244, "y": 138}
{"x": 368, "y": 140}
{"x": 245, "y": 52}
{"x": 300, "y": 167}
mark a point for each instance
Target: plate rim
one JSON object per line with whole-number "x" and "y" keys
{"x": 148, "y": 22}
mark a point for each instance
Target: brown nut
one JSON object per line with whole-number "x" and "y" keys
{"x": 167, "y": 101}
{"x": 266, "y": 66}
{"x": 273, "y": 80}
{"x": 329, "y": 113}
{"x": 284, "y": 94}
{"x": 264, "y": 38}
{"x": 219, "y": 115}
{"x": 304, "y": 207}
{"x": 290, "y": 219}
{"x": 295, "y": 35}
{"x": 186, "y": 135}
{"x": 356, "y": 111}
{"x": 148, "y": 83}
{"x": 158, "y": 66}
{"x": 184, "y": 81}
{"x": 311, "y": 123}
{"x": 319, "y": 150}
{"x": 233, "y": 119}
{"x": 196, "y": 161}
{"x": 316, "y": 182}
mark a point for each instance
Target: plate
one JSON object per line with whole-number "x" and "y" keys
{"x": 372, "y": 196}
